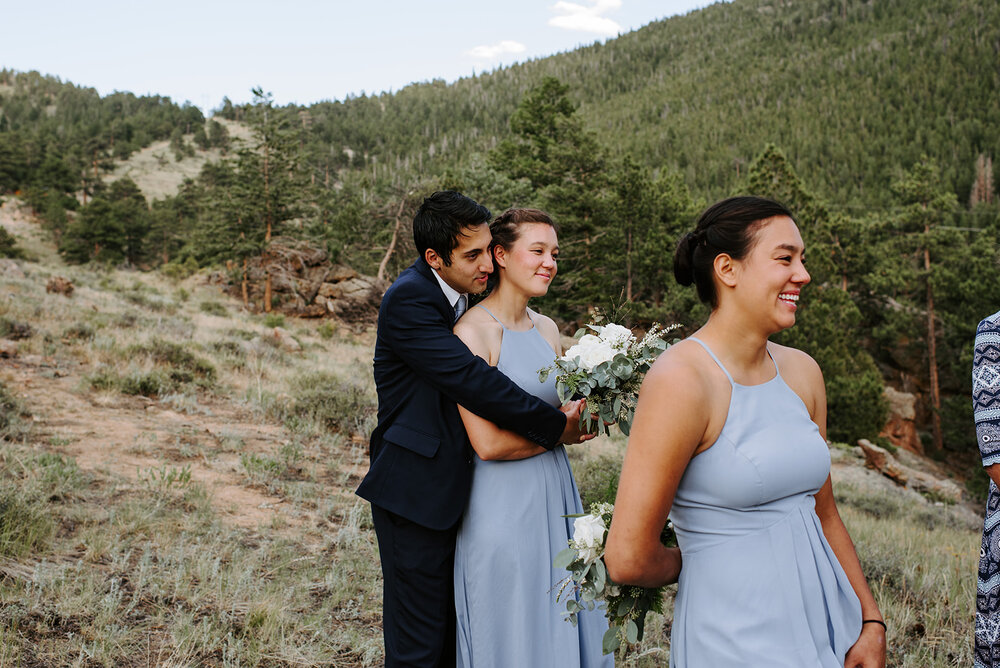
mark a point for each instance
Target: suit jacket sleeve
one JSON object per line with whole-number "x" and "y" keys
{"x": 986, "y": 389}
{"x": 416, "y": 326}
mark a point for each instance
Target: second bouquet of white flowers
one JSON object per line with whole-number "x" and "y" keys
{"x": 607, "y": 367}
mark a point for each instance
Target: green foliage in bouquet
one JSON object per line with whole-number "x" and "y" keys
{"x": 625, "y": 606}
{"x": 606, "y": 367}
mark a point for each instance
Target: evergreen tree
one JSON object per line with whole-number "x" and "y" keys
{"x": 828, "y": 323}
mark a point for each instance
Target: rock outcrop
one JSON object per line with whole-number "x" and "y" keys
{"x": 901, "y": 428}
{"x": 928, "y": 484}
{"x": 304, "y": 283}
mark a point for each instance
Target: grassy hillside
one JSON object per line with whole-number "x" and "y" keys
{"x": 177, "y": 487}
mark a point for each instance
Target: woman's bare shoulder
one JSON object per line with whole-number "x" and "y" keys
{"x": 795, "y": 361}
{"x": 685, "y": 368}
{"x": 480, "y": 332}
{"x": 548, "y": 329}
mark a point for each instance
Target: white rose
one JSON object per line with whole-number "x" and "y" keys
{"x": 588, "y": 537}
{"x": 617, "y": 336}
{"x": 592, "y": 351}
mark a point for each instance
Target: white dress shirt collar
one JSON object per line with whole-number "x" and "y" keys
{"x": 450, "y": 293}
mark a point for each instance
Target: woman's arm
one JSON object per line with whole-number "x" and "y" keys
{"x": 670, "y": 422}
{"x": 488, "y": 440}
{"x": 869, "y": 650}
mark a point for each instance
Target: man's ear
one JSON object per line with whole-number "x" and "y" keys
{"x": 725, "y": 269}
{"x": 433, "y": 259}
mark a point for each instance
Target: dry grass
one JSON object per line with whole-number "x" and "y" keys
{"x": 196, "y": 526}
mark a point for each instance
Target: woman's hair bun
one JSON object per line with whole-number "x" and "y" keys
{"x": 683, "y": 259}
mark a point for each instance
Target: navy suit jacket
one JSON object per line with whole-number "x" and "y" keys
{"x": 421, "y": 459}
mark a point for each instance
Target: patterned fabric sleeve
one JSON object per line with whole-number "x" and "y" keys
{"x": 986, "y": 388}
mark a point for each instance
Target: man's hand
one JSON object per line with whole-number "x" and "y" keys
{"x": 572, "y": 433}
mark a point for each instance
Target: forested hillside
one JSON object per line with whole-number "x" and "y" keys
{"x": 875, "y": 121}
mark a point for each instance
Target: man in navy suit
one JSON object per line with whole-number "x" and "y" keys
{"x": 421, "y": 460}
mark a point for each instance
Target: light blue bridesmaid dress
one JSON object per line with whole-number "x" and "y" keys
{"x": 760, "y": 585}
{"x": 505, "y": 585}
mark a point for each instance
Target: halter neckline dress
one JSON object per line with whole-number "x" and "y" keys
{"x": 760, "y": 585}
{"x": 513, "y": 527}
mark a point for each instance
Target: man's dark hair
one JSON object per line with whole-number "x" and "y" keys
{"x": 441, "y": 218}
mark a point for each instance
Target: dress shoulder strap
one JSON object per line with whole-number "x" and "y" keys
{"x": 712, "y": 355}
{"x": 491, "y": 315}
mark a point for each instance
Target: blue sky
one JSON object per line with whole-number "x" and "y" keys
{"x": 302, "y": 51}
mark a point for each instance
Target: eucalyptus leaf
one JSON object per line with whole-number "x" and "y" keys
{"x": 565, "y": 558}
{"x": 611, "y": 641}
{"x": 600, "y": 575}
{"x": 632, "y": 632}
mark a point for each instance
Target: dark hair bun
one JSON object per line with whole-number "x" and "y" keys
{"x": 683, "y": 270}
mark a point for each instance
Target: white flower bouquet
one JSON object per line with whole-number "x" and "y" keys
{"x": 607, "y": 367}
{"x": 625, "y": 606}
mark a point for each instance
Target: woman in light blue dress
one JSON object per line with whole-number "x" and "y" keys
{"x": 505, "y": 585}
{"x": 729, "y": 440}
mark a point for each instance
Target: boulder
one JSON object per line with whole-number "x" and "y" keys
{"x": 881, "y": 460}
{"x": 901, "y": 428}
{"x": 339, "y": 272}
{"x": 8, "y": 348}
{"x": 351, "y": 289}
{"x": 312, "y": 311}
{"x": 316, "y": 274}
{"x": 928, "y": 484}
{"x": 60, "y": 285}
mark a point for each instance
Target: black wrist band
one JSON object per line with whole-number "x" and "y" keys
{"x": 875, "y": 621}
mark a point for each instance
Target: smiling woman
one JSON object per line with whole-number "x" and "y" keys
{"x": 729, "y": 442}
{"x": 515, "y": 522}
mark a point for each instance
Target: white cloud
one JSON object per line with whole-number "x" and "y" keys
{"x": 493, "y": 51}
{"x": 573, "y": 16}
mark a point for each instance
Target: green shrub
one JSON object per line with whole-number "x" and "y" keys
{"x": 597, "y": 480}
{"x": 856, "y": 406}
{"x": 80, "y": 331}
{"x": 153, "y": 303}
{"x": 8, "y": 245}
{"x": 12, "y": 329}
{"x": 174, "y": 368}
{"x": 877, "y": 504}
{"x": 977, "y": 484}
{"x": 274, "y": 320}
{"x": 25, "y": 523}
{"x": 181, "y": 364}
{"x": 260, "y": 469}
{"x": 330, "y": 402}
{"x": 136, "y": 382}
{"x": 12, "y": 412}
{"x": 213, "y": 308}
{"x": 58, "y": 475}
{"x": 326, "y": 330}
{"x": 180, "y": 270}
